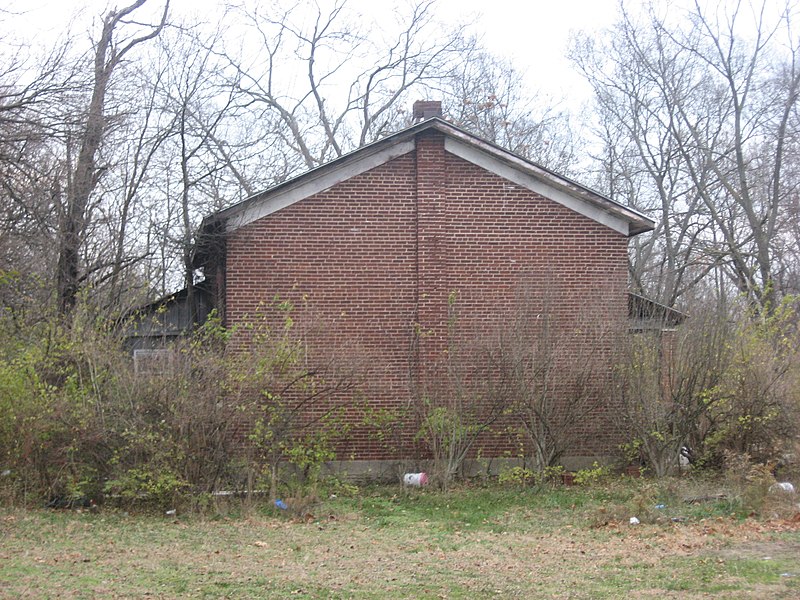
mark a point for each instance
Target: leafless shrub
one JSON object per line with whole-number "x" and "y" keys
{"x": 460, "y": 399}
{"x": 557, "y": 376}
{"x": 535, "y": 372}
{"x": 666, "y": 384}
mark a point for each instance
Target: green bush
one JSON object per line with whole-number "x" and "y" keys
{"x": 593, "y": 475}
{"x": 77, "y": 421}
{"x": 140, "y": 486}
{"x": 516, "y": 476}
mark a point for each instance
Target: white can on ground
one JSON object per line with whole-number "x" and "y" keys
{"x": 415, "y": 479}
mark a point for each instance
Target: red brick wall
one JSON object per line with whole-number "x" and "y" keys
{"x": 374, "y": 259}
{"x": 512, "y": 252}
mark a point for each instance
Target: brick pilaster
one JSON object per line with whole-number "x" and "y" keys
{"x": 432, "y": 253}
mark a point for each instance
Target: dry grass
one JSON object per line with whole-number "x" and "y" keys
{"x": 389, "y": 544}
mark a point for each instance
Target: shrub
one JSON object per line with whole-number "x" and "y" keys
{"x": 516, "y": 476}
{"x": 76, "y": 420}
{"x": 460, "y": 397}
{"x": 666, "y": 385}
{"x": 757, "y": 411}
{"x": 593, "y": 475}
{"x": 722, "y": 383}
{"x": 160, "y": 488}
{"x": 297, "y": 404}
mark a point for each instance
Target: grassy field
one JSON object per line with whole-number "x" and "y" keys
{"x": 394, "y": 543}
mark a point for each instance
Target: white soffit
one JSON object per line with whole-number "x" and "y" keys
{"x": 308, "y": 185}
{"x": 506, "y": 171}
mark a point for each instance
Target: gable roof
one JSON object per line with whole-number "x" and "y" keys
{"x": 467, "y": 146}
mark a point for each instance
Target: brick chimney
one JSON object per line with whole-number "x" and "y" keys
{"x": 426, "y": 109}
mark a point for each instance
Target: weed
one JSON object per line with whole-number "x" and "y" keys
{"x": 593, "y": 475}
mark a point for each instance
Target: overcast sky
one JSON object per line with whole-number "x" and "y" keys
{"x": 534, "y": 33}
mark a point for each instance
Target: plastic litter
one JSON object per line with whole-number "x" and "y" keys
{"x": 634, "y": 521}
{"x": 415, "y": 479}
{"x": 171, "y": 512}
{"x": 783, "y": 486}
{"x": 281, "y": 504}
{"x": 661, "y": 506}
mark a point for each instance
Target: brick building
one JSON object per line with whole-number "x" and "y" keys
{"x": 382, "y": 247}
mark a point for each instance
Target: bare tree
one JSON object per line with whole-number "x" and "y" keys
{"x": 148, "y": 128}
{"x": 487, "y": 96}
{"x": 33, "y": 87}
{"x": 640, "y": 165}
{"x": 108, "y": 55}
{"x": 354, "y": 84}
{"x": 699, "y": 117}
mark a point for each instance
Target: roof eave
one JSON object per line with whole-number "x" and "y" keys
{"x": 317, "y": 172}
{"x": 637, "y": 222}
